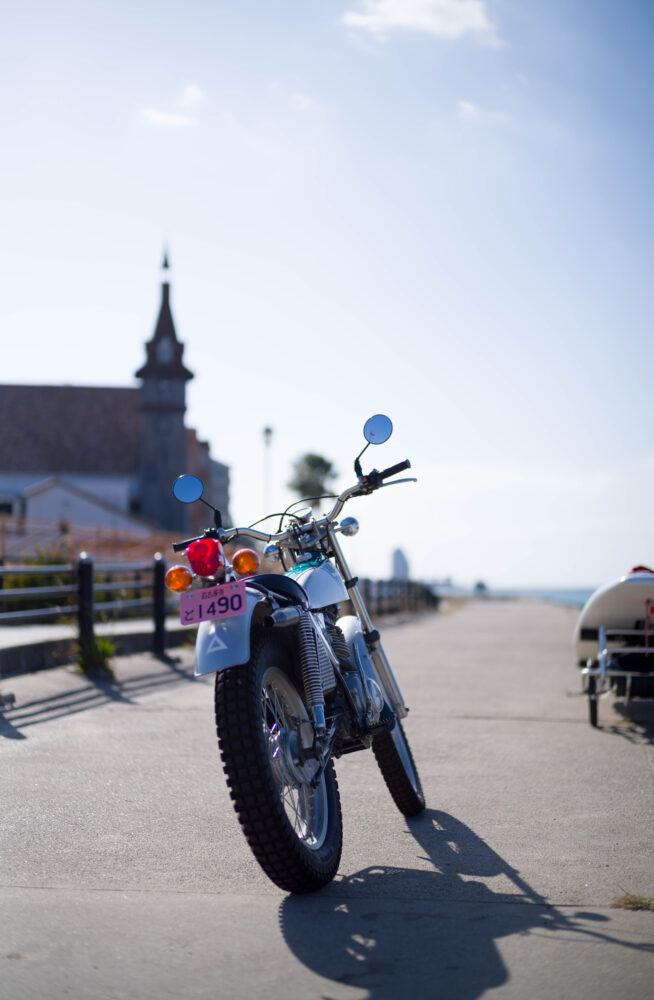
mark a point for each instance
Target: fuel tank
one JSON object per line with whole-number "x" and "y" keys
{"x": 321, "y": 581}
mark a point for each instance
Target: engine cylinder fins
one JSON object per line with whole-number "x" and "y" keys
{"x": 339, "y": 644}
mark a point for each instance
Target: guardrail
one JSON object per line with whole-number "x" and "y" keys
{"x": 385, "y": 597}
{"x": 95, "y": 589}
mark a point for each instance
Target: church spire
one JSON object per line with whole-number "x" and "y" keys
{"x": 164, "y": 351}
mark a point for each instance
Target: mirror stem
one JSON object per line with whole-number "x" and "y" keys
{"x": 357, "y": 462}
{"x": 217, "y": 517}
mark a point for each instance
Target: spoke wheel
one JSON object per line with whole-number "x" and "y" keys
{"x": 287, "y": 730}
{"x": 399, "y": 771}
{"x": 289, "y": 811}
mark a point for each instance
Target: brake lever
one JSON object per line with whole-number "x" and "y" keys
{"x": 372, "y": 482}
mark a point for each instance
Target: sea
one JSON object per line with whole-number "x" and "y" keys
{"x": 574, "y": 597}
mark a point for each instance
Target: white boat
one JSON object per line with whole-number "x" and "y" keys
{"x": 614, "y": 639}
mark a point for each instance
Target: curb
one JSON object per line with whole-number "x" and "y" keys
{"x": 50, "y": 653}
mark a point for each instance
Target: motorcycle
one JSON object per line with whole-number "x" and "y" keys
{"x": 301, "y": 675}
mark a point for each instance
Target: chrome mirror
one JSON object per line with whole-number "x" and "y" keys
{"x": 349, "y": 526}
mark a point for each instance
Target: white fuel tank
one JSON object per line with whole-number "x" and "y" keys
{"x": 322, "y": 583}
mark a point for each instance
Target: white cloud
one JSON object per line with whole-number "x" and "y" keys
{"x": 304, "y": 102}
{"x": 467, "y": 111}
{"x": 448, "y": 19}
{"x": 191, "y": 95}
{"x": 166, "y": 119}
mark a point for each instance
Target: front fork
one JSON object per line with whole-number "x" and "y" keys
{"x": 378, "y": 657}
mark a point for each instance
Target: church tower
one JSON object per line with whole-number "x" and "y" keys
{"x": 163, "y": 435}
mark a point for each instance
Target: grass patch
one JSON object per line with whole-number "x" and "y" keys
{"x": 629, "y": 902}
{"x": 93, "y": 660}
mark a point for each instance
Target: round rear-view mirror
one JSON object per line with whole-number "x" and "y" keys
{"x": 377, "y": 429}
{"x": 188, "y": 489}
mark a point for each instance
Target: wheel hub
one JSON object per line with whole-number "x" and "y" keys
{"x": 287, "y": 765}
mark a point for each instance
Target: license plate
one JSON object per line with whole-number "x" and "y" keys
{"x": 223, "y": 601}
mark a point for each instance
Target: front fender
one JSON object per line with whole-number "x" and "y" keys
{"x": 226, "y": 643}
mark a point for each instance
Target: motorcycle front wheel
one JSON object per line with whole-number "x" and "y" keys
{"x": 399, "y": 771}
{"x": 290, "y": 813}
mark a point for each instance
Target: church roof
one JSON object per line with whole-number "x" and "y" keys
{"x": 64, "y": 428}
{"x": 55, "y": 483}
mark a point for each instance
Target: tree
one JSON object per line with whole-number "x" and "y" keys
{"x": 311, "y": 474}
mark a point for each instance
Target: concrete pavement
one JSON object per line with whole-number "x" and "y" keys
{"x": 124, "y": 872}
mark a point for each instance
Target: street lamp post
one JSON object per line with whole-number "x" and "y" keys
{"x": 267, "y": 438}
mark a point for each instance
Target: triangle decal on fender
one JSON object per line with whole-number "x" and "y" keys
{"x": 216, "y": 644}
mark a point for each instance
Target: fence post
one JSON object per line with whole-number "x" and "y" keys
{"x": 159, "y": 604}
{"x": 85, "y": 601}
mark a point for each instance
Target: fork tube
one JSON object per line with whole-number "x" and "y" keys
{"x": 379, "y": 659}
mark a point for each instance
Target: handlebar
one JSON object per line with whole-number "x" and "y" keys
{"x": 394, "y": 469}
{"x": 180, "y": 546}
{"x": 365, "y": 485}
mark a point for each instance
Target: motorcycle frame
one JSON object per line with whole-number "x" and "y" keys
{"x": 325, "y": 528}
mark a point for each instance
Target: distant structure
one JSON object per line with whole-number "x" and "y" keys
{"x": 400, "y": 570}
{"x": 109, "y": 456}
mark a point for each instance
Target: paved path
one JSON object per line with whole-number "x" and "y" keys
{"x": 124, "y": 874}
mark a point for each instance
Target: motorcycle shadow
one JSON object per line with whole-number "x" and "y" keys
{"x": 427, "y": 933}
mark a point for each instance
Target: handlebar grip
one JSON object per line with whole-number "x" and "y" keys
{"x": 394, "y": 469}
{"x": 180, "y": 546}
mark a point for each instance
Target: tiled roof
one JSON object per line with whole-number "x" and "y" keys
{"x": 64, "y": 428}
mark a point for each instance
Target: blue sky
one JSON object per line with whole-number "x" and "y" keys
{"x": 439, "y": 209}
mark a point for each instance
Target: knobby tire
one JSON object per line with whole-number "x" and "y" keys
{"x": 401, "y": 776}
{"x": 255, "y": 792}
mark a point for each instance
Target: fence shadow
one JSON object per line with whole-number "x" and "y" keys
{"x": 89, "y": 694}
{"x": 428, "y": 933}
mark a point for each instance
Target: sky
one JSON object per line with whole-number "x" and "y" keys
{"x": 436, "y": 209}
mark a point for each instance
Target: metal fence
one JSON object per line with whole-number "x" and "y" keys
{"x": 85, "y": 592}
{"x": 90, "y": 591}
{"x": 386, "y": 597}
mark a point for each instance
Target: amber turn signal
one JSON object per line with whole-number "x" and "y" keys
{"x": 178, "y": 578}
{"x": 246, "y": 562}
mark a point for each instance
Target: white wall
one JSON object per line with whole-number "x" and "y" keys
{"x": 56, "y": 503}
